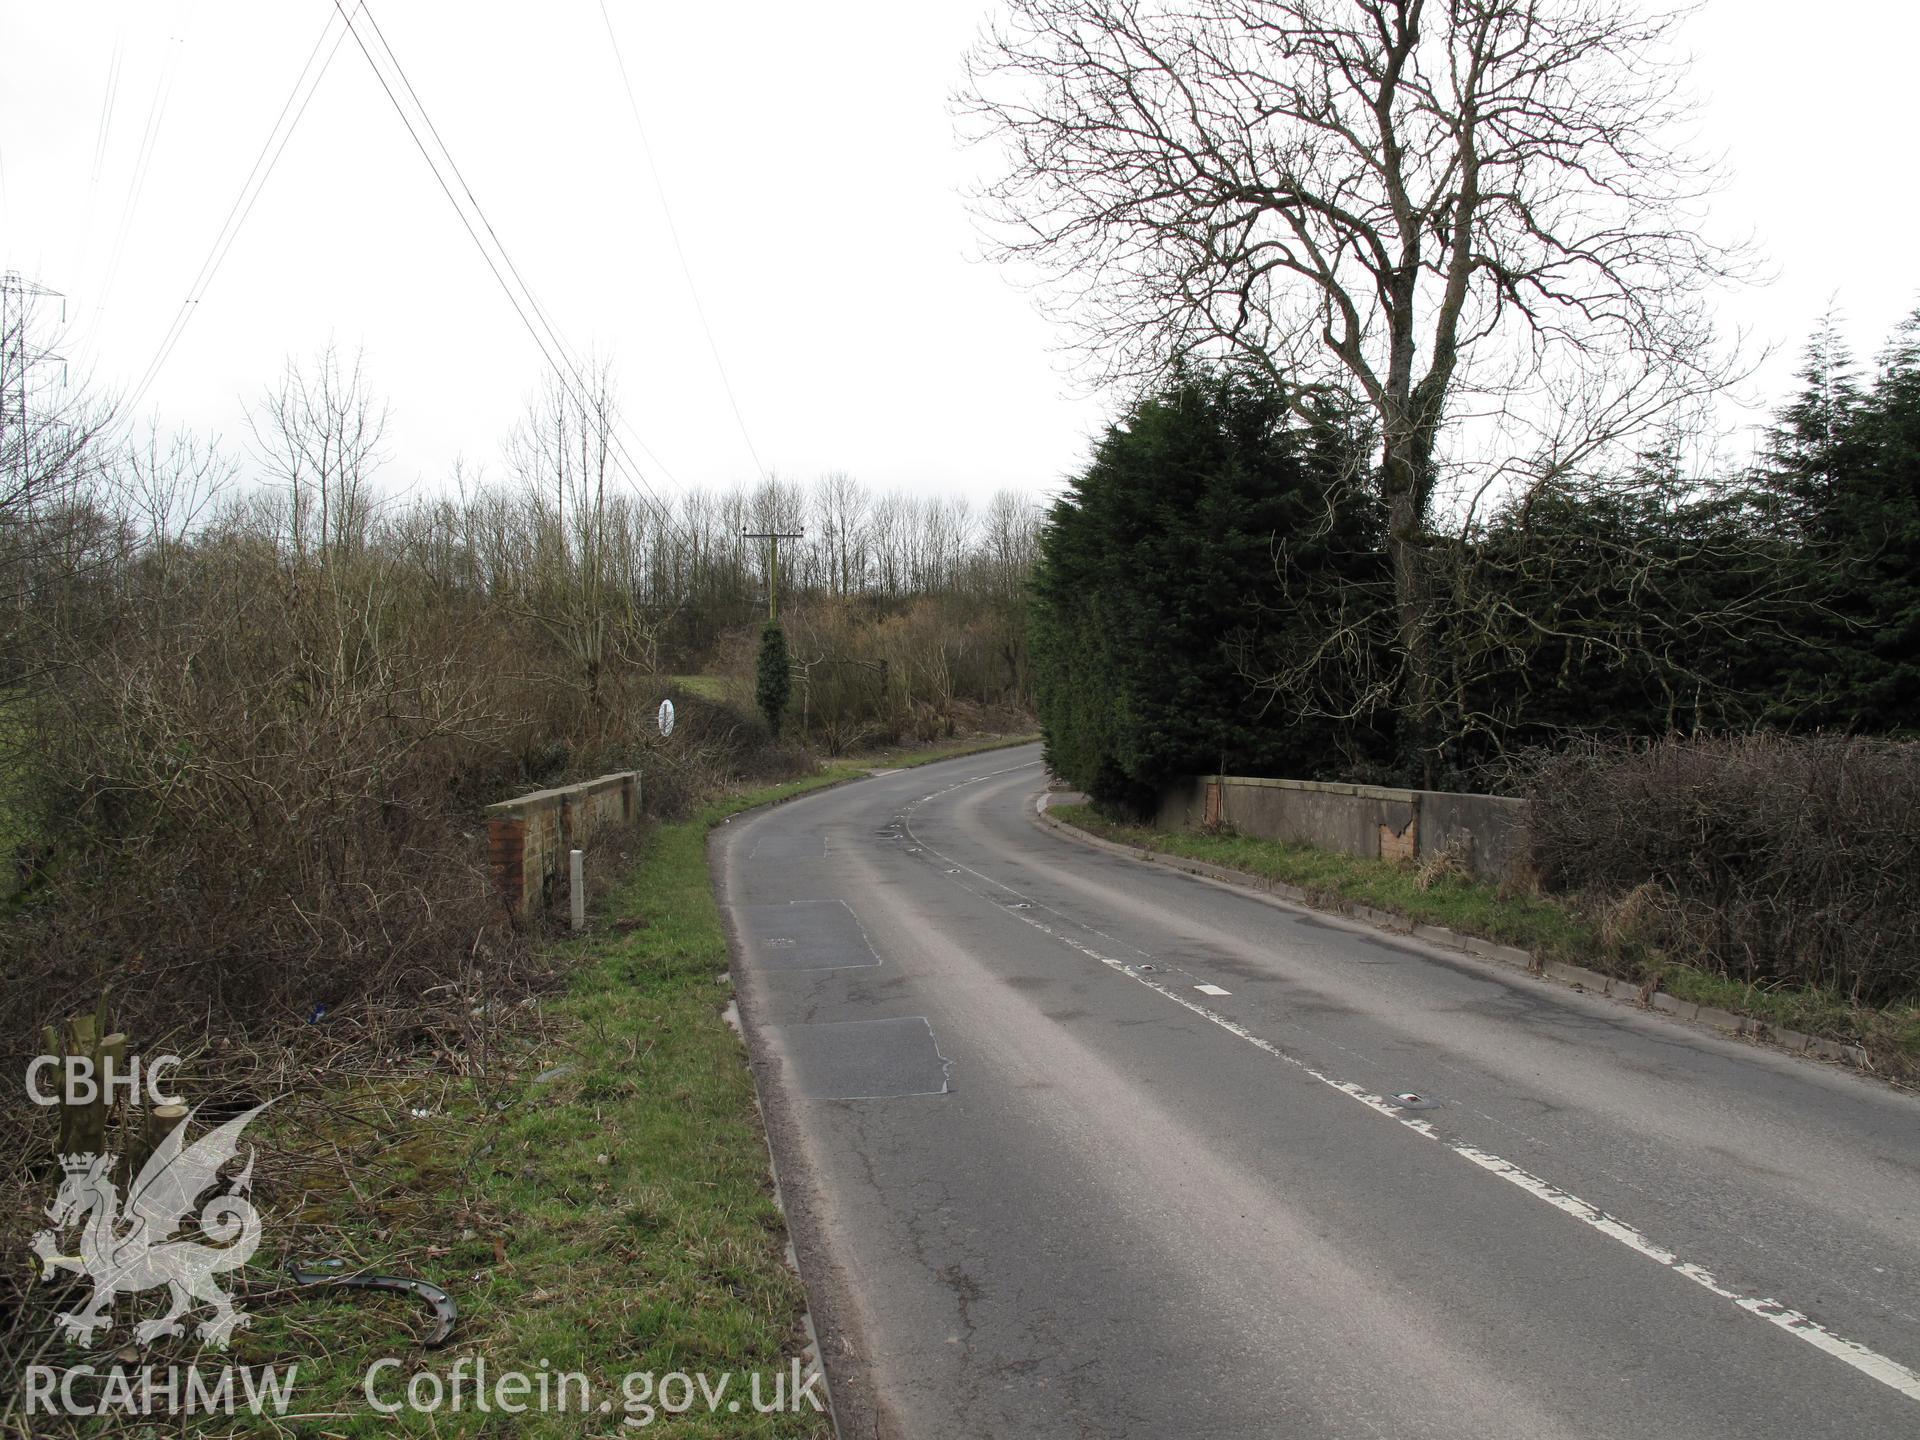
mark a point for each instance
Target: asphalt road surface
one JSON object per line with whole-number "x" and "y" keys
{"x": 1078, "y": 1146}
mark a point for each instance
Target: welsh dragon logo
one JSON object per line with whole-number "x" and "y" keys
{"x": 135, "y": 1249}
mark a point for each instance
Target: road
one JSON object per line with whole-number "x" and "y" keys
{"x": 1044, "y": 1184}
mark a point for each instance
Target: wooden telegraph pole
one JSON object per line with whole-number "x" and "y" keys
{"x": 774, "y": 537}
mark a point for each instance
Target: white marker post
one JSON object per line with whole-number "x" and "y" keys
{"x": 577, "y": 886}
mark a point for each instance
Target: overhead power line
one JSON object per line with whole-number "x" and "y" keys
{"x": 630, "y": 470}
{"x": 107, "y": 102}
{"x": 533, "y": 301}
{"x": 136, "y": 185}
{"x": 243, "y": 203}
{"x": 108, "y": 99}
{"x": 546, "y": 337}
{"x": 686, "y": 271}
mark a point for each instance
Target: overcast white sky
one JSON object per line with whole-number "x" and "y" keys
{"x": 808, "y": 157}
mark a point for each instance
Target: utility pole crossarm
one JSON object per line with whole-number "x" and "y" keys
{"x": 774, "y": 537}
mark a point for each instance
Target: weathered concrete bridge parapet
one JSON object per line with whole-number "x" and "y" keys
{"x": 1376, "y": 822}
{"x": 529, "y": 836}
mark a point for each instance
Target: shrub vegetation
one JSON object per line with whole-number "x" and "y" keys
{"x": 1215, "y": 590}
{"x": 1776, "y": 862}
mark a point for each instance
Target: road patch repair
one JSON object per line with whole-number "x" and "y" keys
{"x": 863, "y": 1059}
{"x": 805, "y": 935}
{"x": 947, "y": 1246}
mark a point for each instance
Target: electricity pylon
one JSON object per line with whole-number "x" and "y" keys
{"x": 16, "y": 303}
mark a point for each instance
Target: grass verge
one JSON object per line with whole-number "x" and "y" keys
{"x": 953, "y": 750}
{"x": 593, "y": 1190}
{"x": 708, "y": 687}
{"x": 599, "y": 1204}
{"x": 1552, "y": 929}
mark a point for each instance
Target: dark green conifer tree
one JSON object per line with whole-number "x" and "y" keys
{"x": 773, "y": 684}
{"x": 1840, "y": 483}
{"x": 1209, "y": 521}
{"x": 1880, "y": 516}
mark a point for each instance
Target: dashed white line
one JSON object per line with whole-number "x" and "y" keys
{"x": 1871, "y": 1363}
{"x": 1212, "y": 990}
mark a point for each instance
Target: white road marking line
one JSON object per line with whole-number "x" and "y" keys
{"x": 1871, "y": 1363}
{"x": 1212, "y": 990}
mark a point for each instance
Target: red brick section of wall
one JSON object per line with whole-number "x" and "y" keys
{"x": 506, "y": 851}
{"x": 528, "y": 837}
{"x": 1399, "y": 845}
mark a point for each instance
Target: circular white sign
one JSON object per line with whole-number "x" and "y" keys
{"x": 666, "y": 717}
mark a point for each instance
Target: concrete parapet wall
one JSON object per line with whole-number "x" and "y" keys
{"x": 529, "y": 836}
{"x": 1376, "y": 822}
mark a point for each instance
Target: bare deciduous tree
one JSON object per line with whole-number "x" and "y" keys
{"x": 840, "y": 524}
{"x": 1444, "y": 206}
{"x": 588, "y": 553}
{"x": 319, "y": 435}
